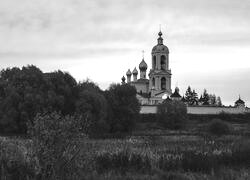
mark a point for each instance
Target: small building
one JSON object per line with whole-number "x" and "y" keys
{"x": 239, "y": 103}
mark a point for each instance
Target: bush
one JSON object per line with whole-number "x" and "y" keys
{"x": 56, "y": 143}
{"x": 218, "y": 127}
{"x": 16, "y": 162}
{"x": 172, "y": 114}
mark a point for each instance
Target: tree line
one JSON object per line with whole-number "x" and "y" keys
{"x": 27, "y": 91}
{"x": 191, "y": 98}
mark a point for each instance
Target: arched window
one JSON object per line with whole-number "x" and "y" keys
{"x": 153, "y": 82}
{"x": 163, "y": 62}
{"x": 154, "y": 62}
{"x": 163, "y": 83}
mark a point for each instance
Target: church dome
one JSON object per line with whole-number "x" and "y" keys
{"x": 135, "y": 72}
{"x": 160, "y": 47}
{"x": 123, "y": 79}
{"x": 239, "y": 101}
{"x": 128, "y": 73}
{"x": 143, "y": 65}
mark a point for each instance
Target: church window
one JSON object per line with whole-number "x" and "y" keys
{"x": 153, "y": 82}
{"x": 163, "y": 62}
{"x": 154, "y": 62}
{"x": 163, "y": 83}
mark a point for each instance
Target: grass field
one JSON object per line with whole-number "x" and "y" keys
{"x": 150, "y": 152}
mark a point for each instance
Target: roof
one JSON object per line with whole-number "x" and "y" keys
{"x": 176, "y": 93}
{"x": 160, "y": 47}
{"x": 128, "y": 73}
{"x": 142, "y": 80}
{"x": 239, "y": 101}
{"x": 143, "y": 65}
{"x": 135, "y": 71}
{"x": 144, "y": 95}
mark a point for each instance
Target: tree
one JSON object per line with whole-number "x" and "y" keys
{"x": 28, "y": 91}
{"x": 194, "y": 98}
{"x": 205, "y": 97}
{"x": 212, "y": 99}
{"x": 188, "y": 95}
{"x": 93, "y": 106}
{"x": 172, "y": 114}
{"x": 218, "y": 101}
{"x": 123, "y": 109}
{"x": 22, "y": 97}
{"x": 61, "y": 92}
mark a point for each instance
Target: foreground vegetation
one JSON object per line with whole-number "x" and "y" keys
{"x": 134, "y": 157}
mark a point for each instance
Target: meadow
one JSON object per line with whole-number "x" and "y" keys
{"x": 164, "y": 154}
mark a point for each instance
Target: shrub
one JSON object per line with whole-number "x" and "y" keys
{"x": 218, "y": 127}
{"x": 172, "y": 114}
{"x": 56, "y": 144}
{"x": 16, "y": 162}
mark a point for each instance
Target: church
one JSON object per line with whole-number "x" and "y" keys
{"x": 158, "y": 87}
{"x": 153, "y": 91}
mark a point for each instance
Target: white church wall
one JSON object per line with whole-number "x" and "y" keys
{"x": 148, "y": 109}
{"x": 141, "y": 88}
{"x": 214, "y": 110}
{"x": 152, "y": 109}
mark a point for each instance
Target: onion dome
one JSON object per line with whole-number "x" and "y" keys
{"x": 239, "y": 101}
{"x": 176, "y": 93}
{"x": 160, "y": 47}
{"x": 135, "y": 72}
{"x": 128, "y": 73}
{"x": 123, "y": 79}
{"x": 143, "y": 65}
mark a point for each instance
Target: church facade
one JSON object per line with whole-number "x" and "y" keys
{"x": 155, "y": 89}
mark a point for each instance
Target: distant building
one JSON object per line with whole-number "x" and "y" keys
{"x": 239, "y": 103}
{"x": 158, "y": 86}
{"x": 153, "y": 91}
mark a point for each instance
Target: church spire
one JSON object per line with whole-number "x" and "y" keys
{"x": 160, "y": 39}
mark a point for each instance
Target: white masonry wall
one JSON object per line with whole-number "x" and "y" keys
{"x": 152, "y": 109}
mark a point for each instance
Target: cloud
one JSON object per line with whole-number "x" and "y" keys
{"x": 77, "y": 35}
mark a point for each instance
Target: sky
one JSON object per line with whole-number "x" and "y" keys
{"x": 209, "y": 41}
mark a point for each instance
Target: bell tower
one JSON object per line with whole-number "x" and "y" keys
{"x": 160, "y": 74}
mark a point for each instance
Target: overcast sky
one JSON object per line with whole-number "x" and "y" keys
{"x": 209, "y": 41}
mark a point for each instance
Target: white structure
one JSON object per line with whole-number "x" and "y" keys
{"x": 239, "y": 108}
{"x": 151, "y": 91}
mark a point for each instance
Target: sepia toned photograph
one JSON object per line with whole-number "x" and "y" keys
{"x": 124, "y": 90}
